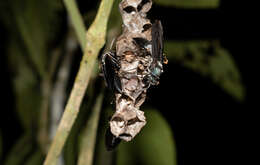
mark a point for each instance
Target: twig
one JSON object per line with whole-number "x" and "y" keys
{"x": 89, "y": 134}
{"x": 95, "y": 39}
{"x": 58, "y": 95}
{"x": 77, "y": 22}
{"x": 46, "y": 88}
{"x": 59, "y": 88}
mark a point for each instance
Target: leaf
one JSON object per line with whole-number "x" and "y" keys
{"x": 35, "y": 159}
{"x": 24, "y": 152}
{"x": 189, "y": 3}
{"x": 102, "y": 156}
{"x": 77, "y": 21}
{"x": 154, "y": 145}
{"x": 210, "y": 60}
{"x": 115, "y": 17}
{"x": 88, "y": 140}
{"x": 20, "y": 150}
{"x": 34, "y": 25}
{"x": 25, "y": 86}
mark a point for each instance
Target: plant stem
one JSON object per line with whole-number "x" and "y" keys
{"x": 95, "y": 40}
{"x": 77, "y": 22}
{"x": 89, "y": 134}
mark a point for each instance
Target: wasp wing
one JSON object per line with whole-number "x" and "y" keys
{"x": 110, "y": 66}
{"x": 157, "y": 41}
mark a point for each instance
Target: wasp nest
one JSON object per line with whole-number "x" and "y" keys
{"x": 133, "y": 67}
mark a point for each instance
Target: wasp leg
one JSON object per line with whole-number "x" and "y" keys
{"x": 110, "y": 67}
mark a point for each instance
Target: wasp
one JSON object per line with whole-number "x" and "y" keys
{"x": 111, "y": 64}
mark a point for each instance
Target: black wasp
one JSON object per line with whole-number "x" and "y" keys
{"x": 110, "y": 67}
{"x": 110, "y": 64}
{"x": 158, "y": 58}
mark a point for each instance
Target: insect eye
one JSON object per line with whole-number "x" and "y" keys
{"x": 129, "y": 9}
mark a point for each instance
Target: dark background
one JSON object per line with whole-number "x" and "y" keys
{"x": 208, "y": 124}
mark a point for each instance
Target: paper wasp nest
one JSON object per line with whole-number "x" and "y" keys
{"x": 133, "y": 67}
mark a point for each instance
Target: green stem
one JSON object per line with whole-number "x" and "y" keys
{"x": 89, "y": 134}
{"x": 95, "y": 40}
{"x": 77, "y": 22}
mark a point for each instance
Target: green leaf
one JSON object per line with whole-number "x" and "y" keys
{"x": 115, "y": 16}
{"x": 210, "y": 60}
{"x": 102, "y": 156}
{"x": 20, "y": 150}
{"x": 24, "y": 152}
{"x": 25, "y": 85}
{"x": 152, "y": 146}
{"x": 189, "y": 3}
{"x": 77, "y": 21}
{"x": 36, "y": 158}
{"x": 34, "y": 25}
{"x": 87, "y": 147}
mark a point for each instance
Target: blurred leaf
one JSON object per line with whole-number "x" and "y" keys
{"x": 76, "y": 21}
{"x": 189, "y": 3}
{"x": 114, "y": 26}
{"x": 115, "y": 16}
{"x": 36, "y": 158}
{"x": 209, "y": 59}
{"x": 31, "y": 26}
{"x": 24, "y": 152}
{"x": 25, "y": 83}
{"x": 154, "y": 145}
{"x": 88, "y": 141}
{"x": 108, "y": 157}
{"x": 34, "y": 25}
{"x": 20, "y": 150}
